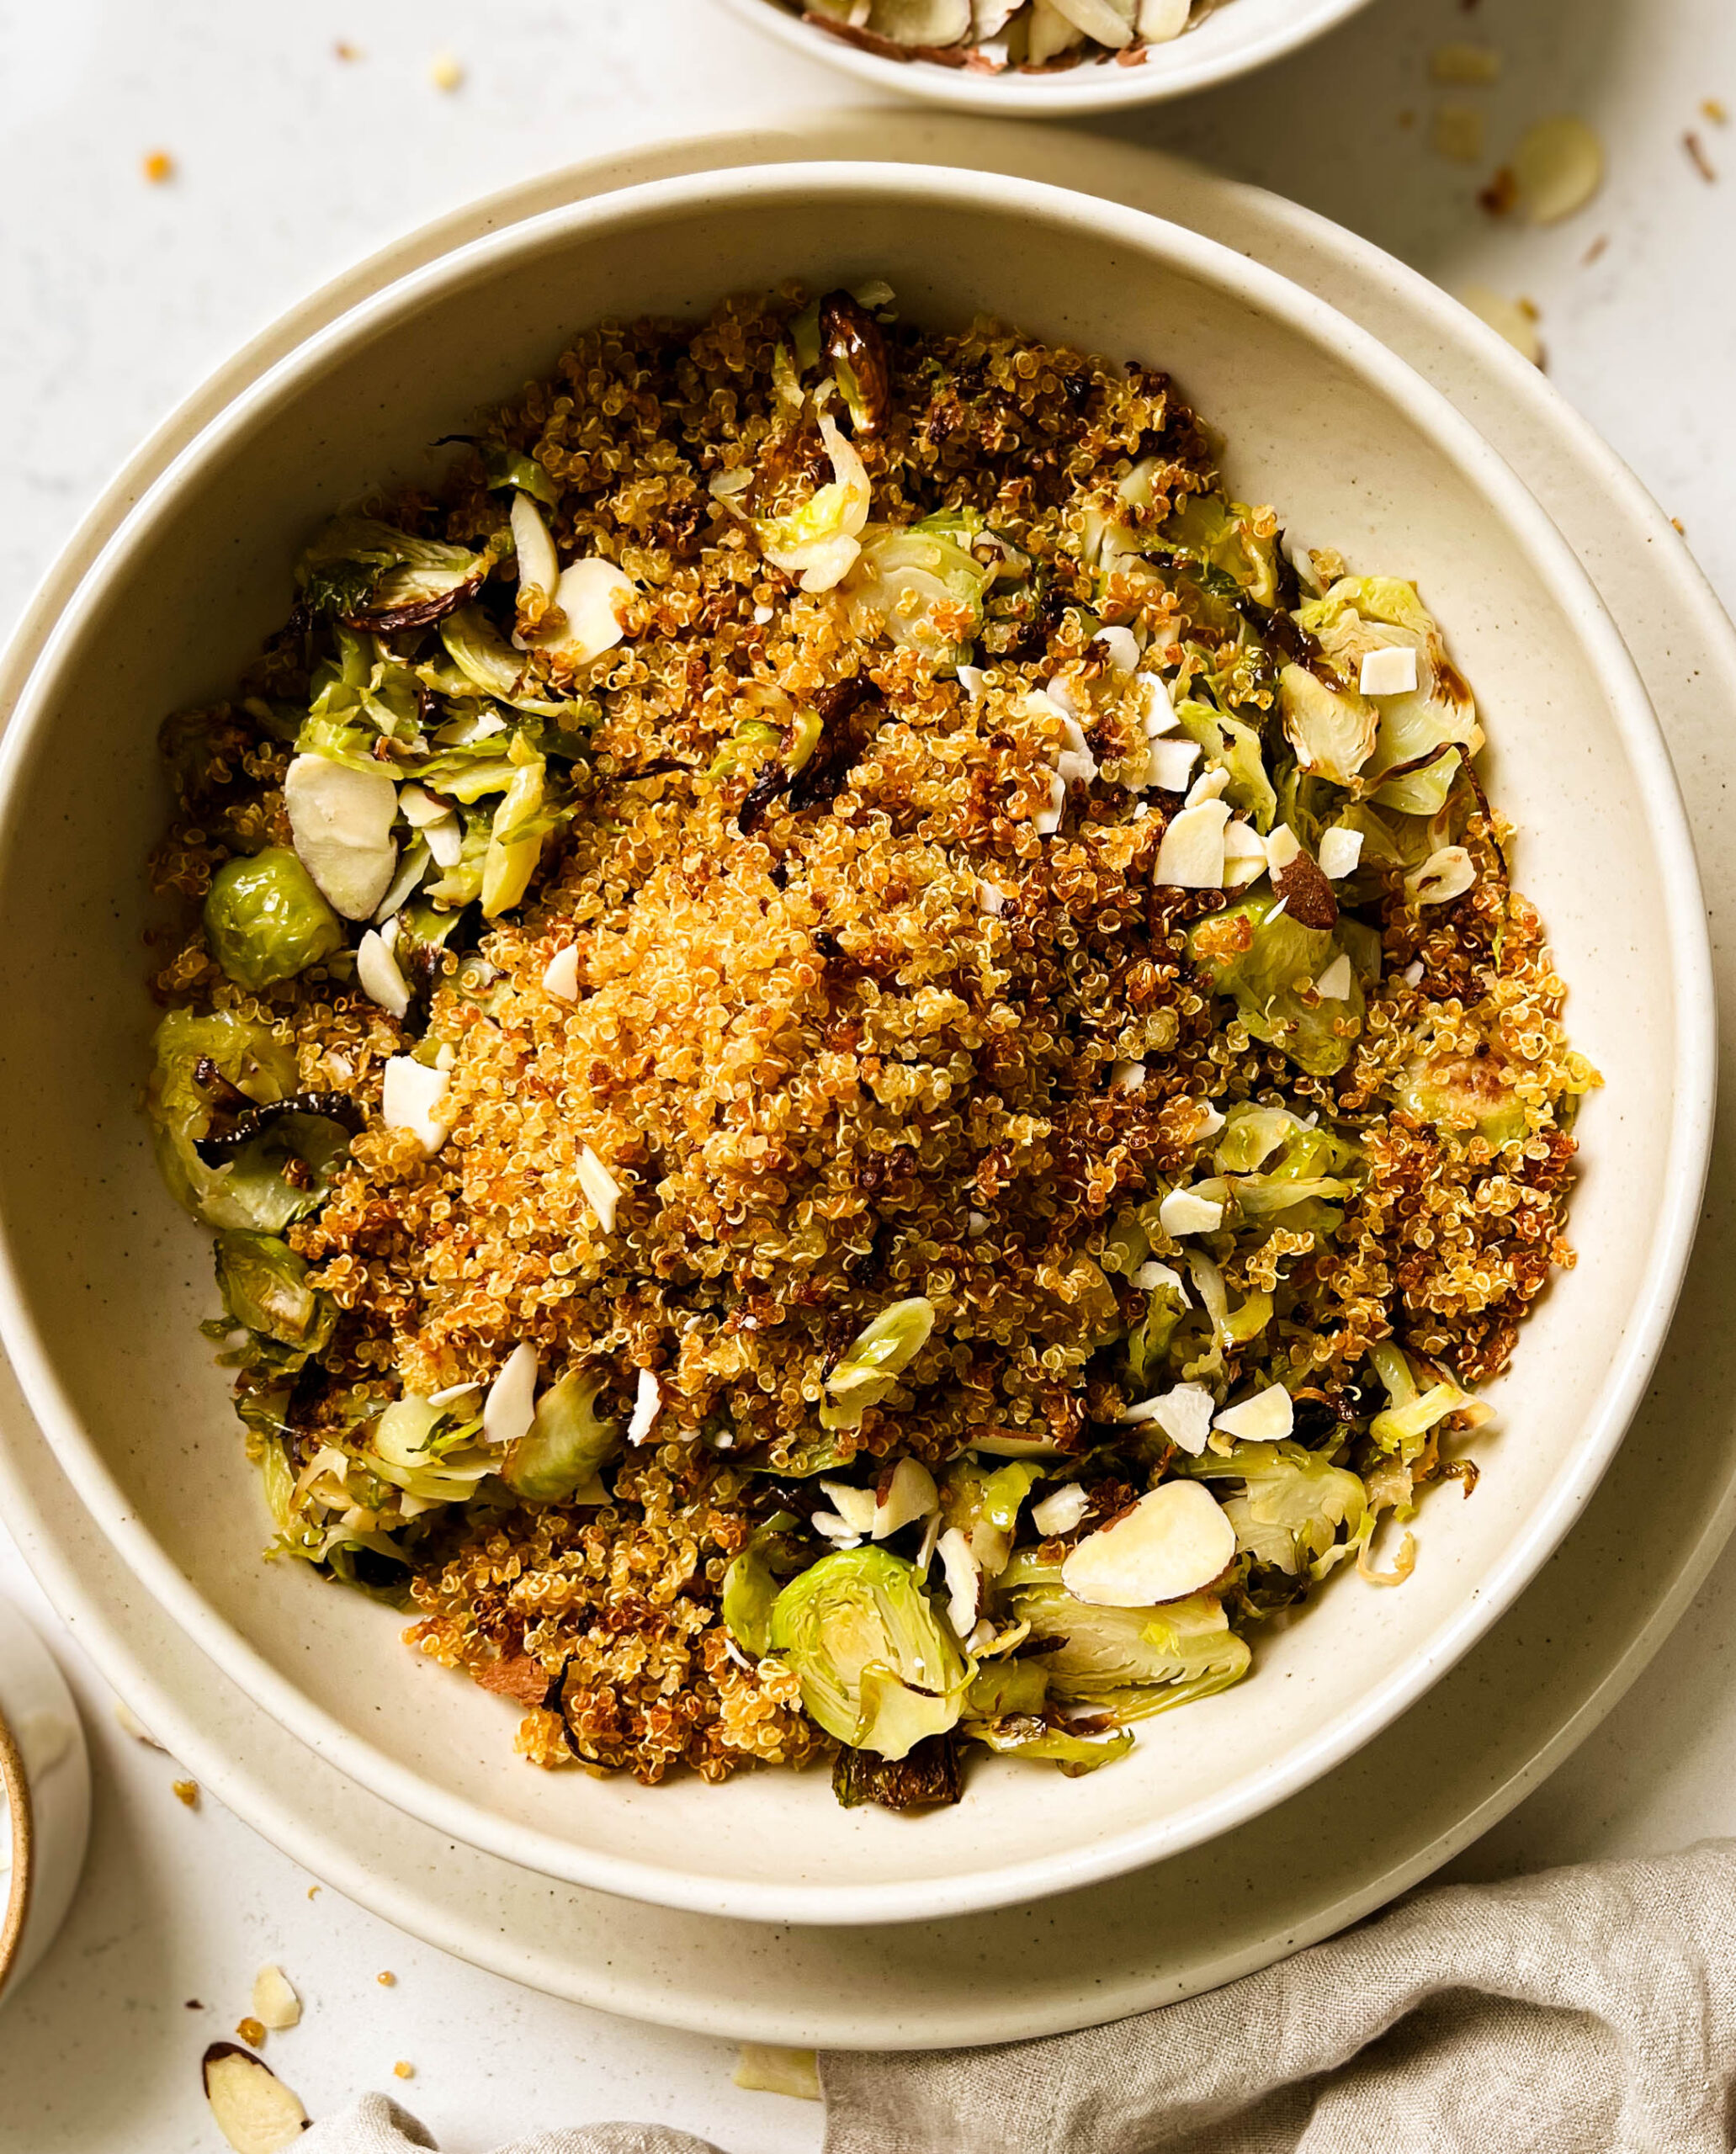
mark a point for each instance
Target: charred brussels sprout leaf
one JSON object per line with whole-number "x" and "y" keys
{"x": 372, "y": 576}
{"x": 1269, "y": 965}
{"x": 1007, "y": 1686}
{"x": 264, "y": 1287}
{"x": 928, "y": 1779}
{"x": 754, "y": 1580}
{"x": 919, "y": 589}
{"x": 876, "y": 1667}
{"x": 265, "y": 920}
{"x": 1130, "y": 1661}
{"x": 1024, "y": 1735}
{"x": 567, "y": 1445}
{"x": 1292, "y": 1504}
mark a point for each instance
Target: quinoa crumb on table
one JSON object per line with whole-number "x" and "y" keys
{"x": 864, "y": 1062}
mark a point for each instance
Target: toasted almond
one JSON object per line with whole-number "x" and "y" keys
{"x": 1559, "y": 167}
{"x": 1152, "y": 1274}
{"x": 250, "y": 2105}
{"x": 539, "y": 568}
{"x": 1266, "y": 1417}
{"x": 1051, "y": 33}
{"x": 275, "y": 2003}
{"x": 910, "y": 1495}
{"x": 1122, "y": 648}
{"x": 1281, "y": 847}
{"x": 1171, "y": 1543}
{"x": 1101, "y": 20}
{"x": 1160, "y": 20}
{"x": 1170, "y": 763}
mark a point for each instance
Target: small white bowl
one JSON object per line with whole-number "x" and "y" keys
{"x": 1236, "y": 37}
{"x": 103, "y": 1281}
{"x": 45, "y": 1817}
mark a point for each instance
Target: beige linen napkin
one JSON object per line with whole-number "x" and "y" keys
{"x": 1587, "y": 2011}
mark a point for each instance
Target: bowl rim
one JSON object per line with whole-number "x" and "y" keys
{"x": 1093, "y": 85}
{"x": 15, "y": 1783}
{"x": 1689, "y": 1113}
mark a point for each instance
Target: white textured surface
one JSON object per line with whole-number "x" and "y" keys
{"x": 291, "y": 162}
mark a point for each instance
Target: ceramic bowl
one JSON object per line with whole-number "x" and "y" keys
{"x": 45, "y": 1816}
{"x": 103, "y": 1281}
{"x": 1233, "y": 39}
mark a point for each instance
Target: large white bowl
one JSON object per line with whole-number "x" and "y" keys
{"x": 1233, "y": 39}
{"x": 102, "y": 1282}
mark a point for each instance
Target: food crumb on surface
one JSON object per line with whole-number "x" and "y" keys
{"x": 252, "y": 2032}
{"x": 158, "y": 165}
{"x": 1715, "y": 111}
{"x": 403, "y": 2069}
{"x": 343, "y": 49}
{"x": 1465, "y": 64}
{"x": 446, "y": 71}
{"x": 386, "y": 1978}
{"x": 1697, "y": 157}
{"x": 1458, "y": 133}
{"x": 187, "y": 1791}
{"x": 1598, "y": 247}
{"x": 1501, "y": 193}
{"x": 1679, "y": 527}
{"x": 764, "y": 2068}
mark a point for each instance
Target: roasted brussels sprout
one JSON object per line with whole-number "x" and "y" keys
{"x": 264, "y": 1287}
{"x": 1131, "y": 1661}
{"x": 265, "y": 920}
{"x": 877, "y": 1357}
{"x": 1270, "y": 965}
{"x": 877, "y": 1667}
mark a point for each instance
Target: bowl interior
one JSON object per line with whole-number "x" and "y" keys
{"x": 1233, "y": 38}
{"x": 109, "y": 1280}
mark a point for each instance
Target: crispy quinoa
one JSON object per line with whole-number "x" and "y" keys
{"x": 865, "y": 1065}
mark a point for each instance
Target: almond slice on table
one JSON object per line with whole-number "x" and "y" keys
{"x": 250, "y": 2105}
{"x": 1559, "y": 167}
{"x": 1172, "y": 1542}
{"x": 276, "y": 2006}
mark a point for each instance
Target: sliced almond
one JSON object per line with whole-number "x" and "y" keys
{"x": 1170, "y": 764}
{"x": 1172, "y": 1542}
{"x": 1340, "y": 851}
{"x": 560, "y": 976}
{"x": 1122, "y": 648}
{"x": 1184, "y": 1414}
{"x": 1159, "y": 20}
{"x": 603, "y": 1192}
{"x": 510, "y": 1407}
{"x": 538, "y": 567}
{"x": 378, "y": 970}
{"x": 341, "y": 820}
{"x": 1152, "y": 1274}
{"x": 1155, "y": 706}
{"x": 964, "y": 1575}
{"x": 1110, "y": 22}
{"x": 647, "y": 1404}
{"x": 590, "y": 594}
{"x": 1191, "y": 853}
{"x": 910, "y": 1495}
{"x": 1559, "y": 167}
{"x": 1048, "y": 820}
{"x": 1182, "y": 1213}
{"x": 1060, "y": 1511}
{"x": 1333, "y": 984}
{"x": 250, "y": 2105}
{"x": 1051, "y": 33}
{"x": 1244, "y": 854}
{"x": 1266, "y": 1417}
{"x": 856, "y": 1506}
{"x": 275, "y": 2003}
{"x": 1389, "y": 670}
{"x": 1444, "y": 875}
{"x": 920, "y": 22}
{"x": 414, "y": 1097}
